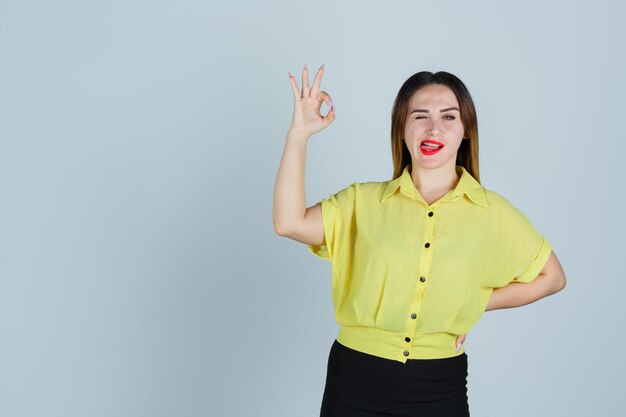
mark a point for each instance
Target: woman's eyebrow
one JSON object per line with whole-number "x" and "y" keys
{"x": 426, "y": 111}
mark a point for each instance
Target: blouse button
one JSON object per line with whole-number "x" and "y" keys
{"x": 430, "y": 214}
{"x": 427, "y": 245}
{"x": 422, "y": 279}
{"x": 406, "y": 353}
{"x": 407, "y": 339}
{"x": 413, "y": 315}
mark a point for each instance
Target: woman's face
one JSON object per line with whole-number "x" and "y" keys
{"x": 427, "y": 121}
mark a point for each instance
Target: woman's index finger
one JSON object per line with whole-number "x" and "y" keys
{"x": 317, "y": 81}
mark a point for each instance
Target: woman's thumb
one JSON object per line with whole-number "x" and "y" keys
{"x": 330, "y": 116}
{"x": 323, "y": 96}
{"x": 459, "y": 341}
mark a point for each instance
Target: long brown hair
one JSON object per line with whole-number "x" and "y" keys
{"x": 467, "y": 155}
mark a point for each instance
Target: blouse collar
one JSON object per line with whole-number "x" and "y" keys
{"x": 467, "y": 185}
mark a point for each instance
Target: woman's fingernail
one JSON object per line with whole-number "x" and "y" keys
{"x": 458, "y": 346}
{"x": 322, "y": 67}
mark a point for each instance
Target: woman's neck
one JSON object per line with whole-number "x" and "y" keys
{"x": 433, "y": 183}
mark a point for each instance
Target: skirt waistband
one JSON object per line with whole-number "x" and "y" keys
{"x": 360, "y": 382}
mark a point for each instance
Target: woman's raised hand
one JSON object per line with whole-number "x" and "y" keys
{"x": 307, "y": 119}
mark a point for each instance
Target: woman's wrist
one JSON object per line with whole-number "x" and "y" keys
{"x": 297, "y": 135}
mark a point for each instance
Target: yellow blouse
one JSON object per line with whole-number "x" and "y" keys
{"x": 408, "y": 277}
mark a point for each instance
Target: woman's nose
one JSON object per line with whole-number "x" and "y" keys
{"x": 434, "y": 127}
{"x": 434, "y": 130}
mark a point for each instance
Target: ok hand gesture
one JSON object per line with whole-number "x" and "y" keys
{"x": 306, "y": 119}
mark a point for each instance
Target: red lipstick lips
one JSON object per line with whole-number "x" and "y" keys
{"x": 430, "y": 150}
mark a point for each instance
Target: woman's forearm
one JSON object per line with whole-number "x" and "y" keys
{"x": 517, "y": 294}
{"x": 289, "y": 197}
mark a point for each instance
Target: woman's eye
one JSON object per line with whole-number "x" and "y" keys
{"x": 451, "y": 117}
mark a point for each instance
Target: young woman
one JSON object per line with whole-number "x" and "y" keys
{"x": 416, "y": 260}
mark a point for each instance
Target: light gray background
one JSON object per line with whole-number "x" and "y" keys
{"x": 139, "y": 271}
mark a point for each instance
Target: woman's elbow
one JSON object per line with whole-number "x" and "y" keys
{"x": 555, "y": 282}
{"x": 562, "y": 282}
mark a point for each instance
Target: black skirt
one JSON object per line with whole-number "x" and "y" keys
{"x": 362, "y": 385}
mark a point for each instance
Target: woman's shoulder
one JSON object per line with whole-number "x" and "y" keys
{"x": 365, "y": 192}
{"x": 364, "y": 188}
{"x": 501, "y": 205}
{"x": 496, "y": 199}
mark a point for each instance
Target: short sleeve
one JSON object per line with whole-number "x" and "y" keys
{"x": 522, "y": 251}
{"x": 337, "y": 215}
